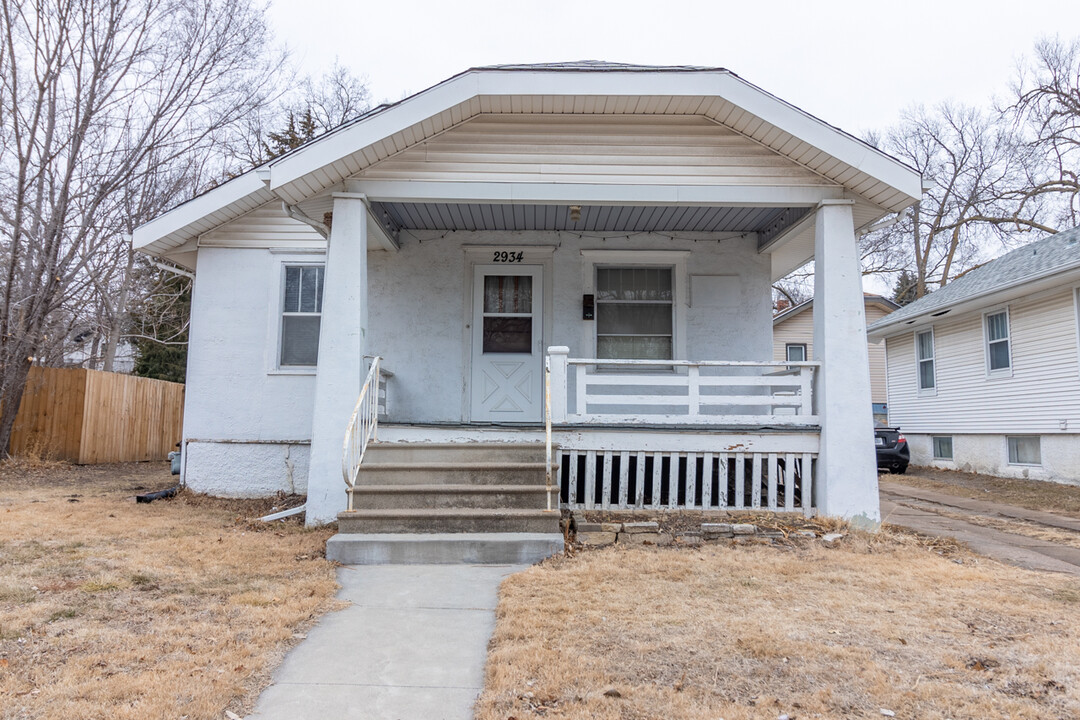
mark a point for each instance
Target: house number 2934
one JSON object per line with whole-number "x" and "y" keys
{"x": 502, "y": 256}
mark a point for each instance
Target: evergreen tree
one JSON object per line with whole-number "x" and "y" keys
{"x": 297, "y": 131}
{"x": 905, "y": 289}
{"x": 164, "y": 316}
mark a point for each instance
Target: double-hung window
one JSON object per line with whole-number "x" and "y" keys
{"x": 924, "y": 356}
{"x": 998, "y": 357}
{"x": 634, "y": 313}
{"x": 301, "y": 315}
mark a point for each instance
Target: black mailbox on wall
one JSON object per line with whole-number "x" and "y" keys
{"x": 588, "y": 307}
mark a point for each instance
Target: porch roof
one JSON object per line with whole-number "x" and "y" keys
{"x": 843, "y": 165}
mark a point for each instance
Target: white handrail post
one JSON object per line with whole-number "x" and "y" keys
{"x": 693, "y": 379}
{"x": 806, "y": 376}
{"x": 557, "y": 357}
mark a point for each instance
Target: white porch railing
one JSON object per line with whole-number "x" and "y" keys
{"x": 364, "y": 423}
{"x": 679, "y": 392}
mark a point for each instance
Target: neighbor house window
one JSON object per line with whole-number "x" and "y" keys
{"x": 997, "y": 341}
{"x": 301, "y": 314}
{"x": 1024, "y": 450}
{"x": 924, "y": 354}
{"x": 634, "y": 313}
{"x": 943, "y": 447}
{"x": 796, "y": 352}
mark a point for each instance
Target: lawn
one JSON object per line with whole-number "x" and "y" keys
{"x": 878, "y": 624}
{"x": 176, "y": 609}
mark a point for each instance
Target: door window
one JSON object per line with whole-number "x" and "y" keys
{"x": 508, "y": 314}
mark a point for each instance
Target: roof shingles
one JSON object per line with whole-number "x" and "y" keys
{"x": 1048, "y": 256}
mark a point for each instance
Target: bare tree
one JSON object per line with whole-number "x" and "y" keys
{"x": 1046, "y": 109}
{"x": 97, "y": 96}
{"x": 314, "y": 106}
{"x": 973, "y": 163}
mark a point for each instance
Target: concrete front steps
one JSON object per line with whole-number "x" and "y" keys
{"x": 449, "y": 503}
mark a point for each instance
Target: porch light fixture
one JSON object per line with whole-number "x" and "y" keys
{"x": 575, "y": 213}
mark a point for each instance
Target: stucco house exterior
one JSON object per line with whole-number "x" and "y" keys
{"x": 608, "y": 231}
{"x": 793, "y": 339}
{"x": 984, "y": 374}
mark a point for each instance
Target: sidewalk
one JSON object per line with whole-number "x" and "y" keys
{"x": 914, "y": 508}
{"x": 411, "y": 646}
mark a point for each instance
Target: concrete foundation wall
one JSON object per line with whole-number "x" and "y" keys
{"x": 246, "y": 469}
{"x": 989, "y": 454}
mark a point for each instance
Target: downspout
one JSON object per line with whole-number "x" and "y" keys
{"x": 296, "y": 214}
{"x": 889, "y": 222}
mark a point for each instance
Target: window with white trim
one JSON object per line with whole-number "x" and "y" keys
{"x": 924, "y": 356}
{"x": 998, "y": 356}
{"x": 1024, "y": 450}
{"x": 634, "y": 313}
{"x": 796, "y": 352}
{"x": 943, "y": 447}
{"x": 301, "y": 315}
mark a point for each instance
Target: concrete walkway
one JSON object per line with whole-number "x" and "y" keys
{"x": 914, "y": 508}
{"x": 411, "y": 646}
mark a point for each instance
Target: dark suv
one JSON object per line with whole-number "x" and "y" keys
{"x": 892, "y": 449}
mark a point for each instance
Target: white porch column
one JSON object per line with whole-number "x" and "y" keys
{"x": 342, "y": 343}
{"x": 846, "y": 483}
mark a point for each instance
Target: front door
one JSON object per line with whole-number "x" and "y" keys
{"x": 507, "y": 352}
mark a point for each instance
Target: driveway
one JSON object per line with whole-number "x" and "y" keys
{"x": 1032, "y": 539}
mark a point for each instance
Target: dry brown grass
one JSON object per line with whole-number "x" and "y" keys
{"x": 880, "y": 622}
{"x": 1031, "y": 494}
{"x": 176, "y": 609}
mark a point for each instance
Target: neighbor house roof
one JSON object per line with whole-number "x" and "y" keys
{"x": 868, "y": 299}
{"x": 583, "y": 87}
{"x": 1040, "y": 265}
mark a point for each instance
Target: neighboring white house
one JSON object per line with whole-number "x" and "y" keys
{"x": 619, "y": 223}
{"x": 984, "y": 374}
{"x": 793, "y": 340}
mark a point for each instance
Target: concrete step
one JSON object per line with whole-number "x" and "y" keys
{"x": 449, "y": 520}
{"x": 389, "y": 497}
{"x": 437, "y": 549}
{"x": 463, "y": 452}
{"x": 447, "y": 473}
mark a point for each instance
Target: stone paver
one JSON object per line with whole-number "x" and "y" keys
{"x": 411, "y": 645}
{"x": 914, "y": 508}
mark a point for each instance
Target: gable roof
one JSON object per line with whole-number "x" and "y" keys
{"x": 1052, "y": 259}
{"x": 868, "y": 299}
{"x": 583, "y": 87}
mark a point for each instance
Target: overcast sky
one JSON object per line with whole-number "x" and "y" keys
{"x": 855, "y": 65}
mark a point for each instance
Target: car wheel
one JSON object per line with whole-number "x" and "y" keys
{"x": 899, "y": 469}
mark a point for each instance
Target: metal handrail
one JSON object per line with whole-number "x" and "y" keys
{"x": 363, "y": 427}
{"x": 547, "y": 427}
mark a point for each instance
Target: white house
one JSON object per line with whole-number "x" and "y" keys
{"x": 619, "y": 224}
{"x": 793, "y": 339}
{"x": 984, "y": 374}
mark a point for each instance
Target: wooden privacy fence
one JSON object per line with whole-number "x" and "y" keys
{"x": 89, "y": 416}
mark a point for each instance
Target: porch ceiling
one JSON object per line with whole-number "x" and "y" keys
{"x": 594, "y": 218}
